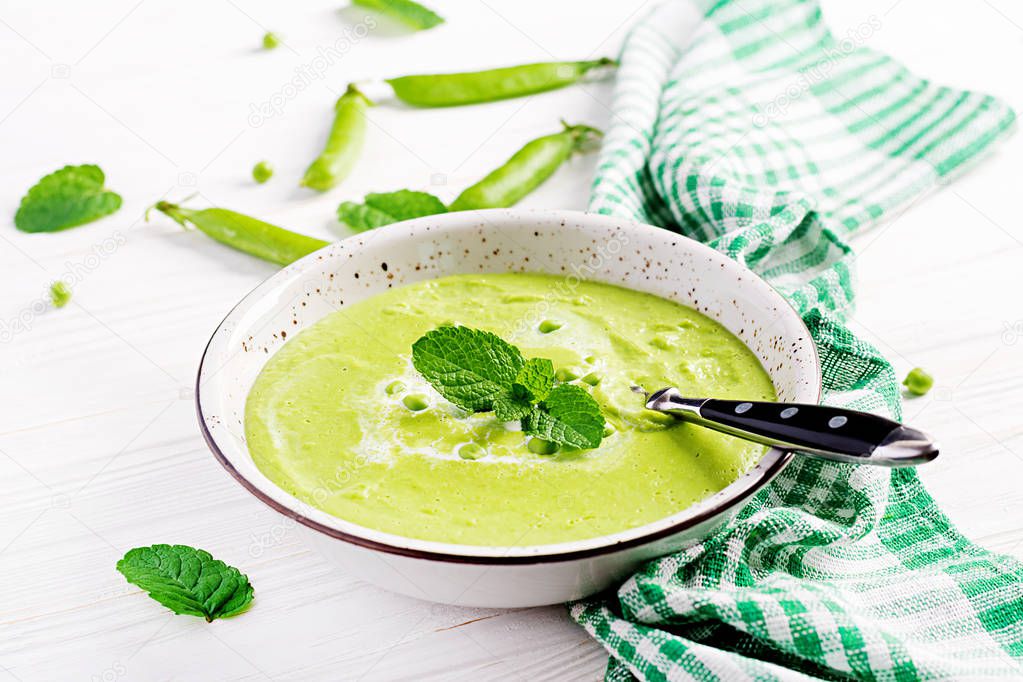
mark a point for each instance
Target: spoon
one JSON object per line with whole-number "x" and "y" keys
{"x": 817, "y": 430}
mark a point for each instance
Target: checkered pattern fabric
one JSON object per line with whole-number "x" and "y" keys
{"x": 747, "y": 125}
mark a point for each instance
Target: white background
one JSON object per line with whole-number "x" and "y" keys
{"x": 99, "y": 450}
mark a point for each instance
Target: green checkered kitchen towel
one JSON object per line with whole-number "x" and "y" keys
{"x": 747, "y": 125}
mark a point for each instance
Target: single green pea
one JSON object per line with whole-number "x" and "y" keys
{"x": 590, "y": 359}
{"x": 542, "y": 447}
{"x": 918, "y": 381}
{"x": 592, "y": 379}
{"x": 60, "y": 294}
{"x": 565, "y": 375}
{"x": 548, "y": 326}
{"x": 270, "y": 40}
{"x": 415, "y": 402}
{"x": 395, "y": 387}
{"x": 660, "y": 342}
{"x": 471, "y": 451}
{"x": 262, "y": 172}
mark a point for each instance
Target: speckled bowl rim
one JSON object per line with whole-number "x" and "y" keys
{"x": 729, "y": 499}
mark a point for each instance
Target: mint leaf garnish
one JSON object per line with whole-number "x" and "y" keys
{"x": 71, "y": 196}
{"x": 187, "y": 580}
{"x": 536, "y": 378}
{"x": 569, "y": 415}
{"x": 480, "y": 372}
{"x": 388, "y": 207}
{"x": 509, "y": 407}
{"x": 469, "y": 367}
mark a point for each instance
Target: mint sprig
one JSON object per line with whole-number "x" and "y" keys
{"x": 481, "y": 372}
{"x": 188, "y": 581}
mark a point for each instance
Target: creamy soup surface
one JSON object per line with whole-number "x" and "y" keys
{"x": 322, "y": 424}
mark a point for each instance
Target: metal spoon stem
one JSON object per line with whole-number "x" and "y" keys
{"x": 818, "y": 430}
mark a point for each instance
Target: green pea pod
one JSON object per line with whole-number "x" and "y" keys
{"x": 526, "y": 170}
{"x": 344, "y": 144}
{"x": 244, "y": 233}
{"x": 410, "y": 13}
{"x": 455, "y": 89}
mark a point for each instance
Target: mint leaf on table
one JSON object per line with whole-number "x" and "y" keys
{"x": 384, "y": 208}
{"x": 360, "y": 217}
{"x": 469, "y": 367}
{"x": 405, "y": 204}
{"x": 536, "y": 378}
{"x": 480, "y": 372}
{"x": 410, "y": 13}
{"x": 569, "y": 415}
{"x": 71, "y": 196}
{"x": 188, "y": 581}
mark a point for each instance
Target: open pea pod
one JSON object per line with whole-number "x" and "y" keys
{"x": 456, "y": 89}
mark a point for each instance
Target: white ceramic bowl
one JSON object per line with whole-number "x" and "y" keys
{"x": 568, "y": 243}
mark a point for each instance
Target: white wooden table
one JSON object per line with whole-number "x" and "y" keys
{"x": 99, "y": 450}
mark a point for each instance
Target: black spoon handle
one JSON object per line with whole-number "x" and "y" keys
{"x": 826, "y": 432}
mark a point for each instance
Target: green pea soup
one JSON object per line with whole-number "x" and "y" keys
{"x": 340, "y": 419}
